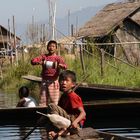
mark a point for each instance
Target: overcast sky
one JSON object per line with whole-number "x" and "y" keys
{"x": 23, "y": 10}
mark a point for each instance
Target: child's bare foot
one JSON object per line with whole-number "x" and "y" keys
{"x": 52, "y": 135}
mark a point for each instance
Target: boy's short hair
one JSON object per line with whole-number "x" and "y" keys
{"x": 52, "y": 41}
{"x": 23, "y": 91}
{"x": 68, "y": 73}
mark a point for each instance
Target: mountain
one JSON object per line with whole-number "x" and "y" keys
{"x": 78, "y": 19}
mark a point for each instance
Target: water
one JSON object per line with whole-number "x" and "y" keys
{"x": 16, "y": 132}
{"x": 8, "y": 100}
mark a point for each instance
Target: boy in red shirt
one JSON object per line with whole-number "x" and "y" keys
{"x": 70, "y": 104}
{"x": 51, "y": 65}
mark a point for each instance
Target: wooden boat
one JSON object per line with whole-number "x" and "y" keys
{"x": 28, "y": 117}
{"x": 85, "y": 134}
{"x": 106, "y": 98}
{"x": 98, "y": 90}
{"x": 98, "y": 116}
{"x": 92, "y": 134}
{"x": 106, "y": 106}
{"x": 103, "y": 104}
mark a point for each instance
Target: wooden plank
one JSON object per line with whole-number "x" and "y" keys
{"x": 90, "y": 86}
{"x": 93, "y": 134}
{"x": 32, "y": 78}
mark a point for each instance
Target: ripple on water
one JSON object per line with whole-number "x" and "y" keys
{"x": 16, "y": 132}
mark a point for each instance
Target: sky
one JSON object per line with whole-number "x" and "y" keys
{"x": 23, "y": 10}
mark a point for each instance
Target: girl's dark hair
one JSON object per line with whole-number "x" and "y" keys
{"x": 67, "y": 73}
{"x": 23, "y": 92}
{"x": 52, "y": 41}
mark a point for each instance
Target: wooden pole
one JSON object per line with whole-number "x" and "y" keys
{"x": 72, "y": 30}
{"x": 102, "y": 62}
{"x": 76, "y": 30}
{"x": 68, "y": 22}
{"x": 10, "y": 44}
{"x": 82, "y": 59}
{"x": 9, "y": 29}
{"x": 1, "y": 73}
{"x": 14, "y": 31}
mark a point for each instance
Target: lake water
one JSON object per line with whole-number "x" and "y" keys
{"x": 16, "y": 132}
{"x": 8, "y": 99}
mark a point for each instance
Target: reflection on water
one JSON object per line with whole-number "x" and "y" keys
{"x": 15, "y": 132}
{"x": 8, "y": 100}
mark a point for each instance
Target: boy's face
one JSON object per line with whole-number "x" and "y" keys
{"x": 66, "y": 84}
{"x": 52, "y": 48}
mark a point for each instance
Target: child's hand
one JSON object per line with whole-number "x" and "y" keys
{"x": 61, "y": 66}
{"x": 74, "y": 124}
{"x": 41, "y": 62}
{"x": 52, "y": 134}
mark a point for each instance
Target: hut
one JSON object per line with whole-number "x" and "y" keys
{"x": 7, "y": 40}
{"x": 67, "y": 44}
{"x": 117, "y": 27}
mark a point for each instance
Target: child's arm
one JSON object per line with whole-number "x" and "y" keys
{"x": 62, "y": 64}
{"x": 79, "y": 118}
{"x": 37, "y": 60}
{"x": 21, "y": 103}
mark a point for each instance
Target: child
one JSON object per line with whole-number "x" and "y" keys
{"x": 25, "y": 100}
{"x": 70, "y": 104}
{"x": 51, "y": 65}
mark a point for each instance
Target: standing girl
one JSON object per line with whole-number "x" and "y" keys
{"x": 51, "y": 66}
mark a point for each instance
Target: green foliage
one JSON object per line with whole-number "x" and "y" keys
{"x": 115, "y": 72}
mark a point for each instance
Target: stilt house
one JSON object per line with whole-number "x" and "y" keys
{"x": 119, "y": 25}
{"x": 7, "y": 40}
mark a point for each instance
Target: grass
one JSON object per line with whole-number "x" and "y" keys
{"x": 121, "y": 75}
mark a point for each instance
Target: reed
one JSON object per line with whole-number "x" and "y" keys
{"x": 115, "y": 73}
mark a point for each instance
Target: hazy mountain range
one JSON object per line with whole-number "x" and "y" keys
{"x": 78, "y": 19}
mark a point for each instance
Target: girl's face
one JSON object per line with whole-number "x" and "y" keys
{"x": 52, "y": 48}
{"x": 66, "y": 84}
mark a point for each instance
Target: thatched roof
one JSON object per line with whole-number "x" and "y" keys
{"x": 66, "y": 40}
{"x": 109, "y": 18}
{"x": 4, "y": 35}
{"x": 136, "y": 17}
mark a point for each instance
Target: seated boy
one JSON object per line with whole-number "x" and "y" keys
{"x": 25, "y": 99}
{"x": 70, "y": 104}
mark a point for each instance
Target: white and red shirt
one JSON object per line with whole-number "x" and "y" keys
{"x": 49, "y": 73}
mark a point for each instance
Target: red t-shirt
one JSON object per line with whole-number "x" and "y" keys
{"x": 70, "y": 103}
{"x": 49, "y": 73}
